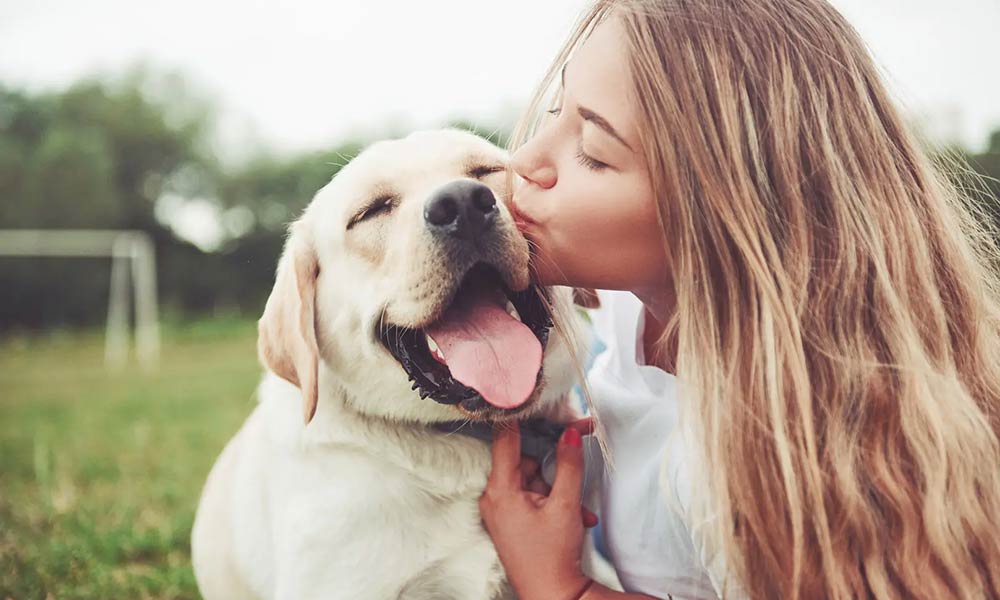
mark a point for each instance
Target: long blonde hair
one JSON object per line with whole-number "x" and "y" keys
{"x": 837, "y": 319}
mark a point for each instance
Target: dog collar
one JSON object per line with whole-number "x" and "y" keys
{"x": 538, "y": 436}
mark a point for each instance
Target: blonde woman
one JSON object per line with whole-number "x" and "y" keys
{"x": 801, "y": 391}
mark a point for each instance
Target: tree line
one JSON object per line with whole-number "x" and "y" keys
{"x": 121, "y": 153}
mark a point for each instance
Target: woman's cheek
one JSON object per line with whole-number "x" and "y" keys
{"x": 572, "y": 241}
{"x": 552, "y": 259}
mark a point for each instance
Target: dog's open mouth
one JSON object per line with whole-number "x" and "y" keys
{"x": 485, "y": 350}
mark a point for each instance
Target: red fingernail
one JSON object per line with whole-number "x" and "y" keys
{"x": 572, "y": 437}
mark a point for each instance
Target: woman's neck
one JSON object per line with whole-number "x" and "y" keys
{"x": 658, "y": 305}
{"x": 660, "y": 302}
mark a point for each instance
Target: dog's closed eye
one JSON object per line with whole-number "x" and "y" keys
{"x": 381, "y": 205}
{"x": 480, "y": 171}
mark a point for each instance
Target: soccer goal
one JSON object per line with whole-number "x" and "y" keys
{"x": 129, "y": 251}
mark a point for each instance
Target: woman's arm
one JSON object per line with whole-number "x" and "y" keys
{"x": 539, "y": 537}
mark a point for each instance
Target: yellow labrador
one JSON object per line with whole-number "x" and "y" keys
{"x": 402, "y": 300}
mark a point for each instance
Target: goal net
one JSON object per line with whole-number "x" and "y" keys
{"x": 131, "y": 252}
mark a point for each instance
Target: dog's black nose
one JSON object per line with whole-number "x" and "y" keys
{"x": 464, "y": 209}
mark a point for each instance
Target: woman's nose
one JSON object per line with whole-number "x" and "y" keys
{"x": 532, "y": 167}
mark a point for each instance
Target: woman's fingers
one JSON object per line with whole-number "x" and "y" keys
{"x": 537, "y": 485}
{"x": 539, "y": 489}
{"x": 531, "y": 477}
{"x": 529, "y": 468}
{"x": 512, "y": 473}
{"x": 506, "y": 452}
{"x": 569, "y": 467}
{"x": 585, "y": 425}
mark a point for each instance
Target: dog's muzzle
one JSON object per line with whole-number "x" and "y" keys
{"x": 432, "y": 369}
{"x": 462, "y": 210}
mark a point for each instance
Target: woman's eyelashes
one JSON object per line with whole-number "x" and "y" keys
{"x": 588, "y": 161}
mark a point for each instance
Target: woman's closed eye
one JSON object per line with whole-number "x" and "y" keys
{"x": 588, "y": 161}
{"x": 582, "y": 157}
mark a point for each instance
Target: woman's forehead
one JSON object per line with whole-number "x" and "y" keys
{"x": 597, "y": 77}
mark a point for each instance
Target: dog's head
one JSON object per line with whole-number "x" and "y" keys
{"x": 405, "y": 285}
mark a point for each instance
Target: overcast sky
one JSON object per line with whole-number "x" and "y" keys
{"x": 303, "y": 74}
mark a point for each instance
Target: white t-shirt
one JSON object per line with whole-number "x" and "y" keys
{"x": 647, "y": 529}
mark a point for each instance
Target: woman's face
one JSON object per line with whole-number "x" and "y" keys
{"x": 585, "y": 200}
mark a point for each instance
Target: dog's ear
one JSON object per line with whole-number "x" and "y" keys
{"x": 586, "y": 297}
{"x": 286, "y": 341}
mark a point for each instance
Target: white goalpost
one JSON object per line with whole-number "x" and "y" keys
{"x": 126, "y": 249}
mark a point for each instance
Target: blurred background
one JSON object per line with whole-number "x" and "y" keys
{"x": 202, "y": 128}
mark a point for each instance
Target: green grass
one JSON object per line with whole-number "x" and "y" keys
{"x": 100, "y": 472}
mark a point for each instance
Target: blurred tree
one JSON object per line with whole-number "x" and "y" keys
{"x": 276, "y": 190}
{"x": 988, "y": 163}
{"x": 977, "y": 175}
{"x": 83, "y": 194}
{"x": 98, "y": 155}
{"x": 126, "y": 153}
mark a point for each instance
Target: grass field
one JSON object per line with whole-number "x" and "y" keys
{"x": 100, "y": 473}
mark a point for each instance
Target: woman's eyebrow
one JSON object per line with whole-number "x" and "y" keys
{"x": 596, "y": 119}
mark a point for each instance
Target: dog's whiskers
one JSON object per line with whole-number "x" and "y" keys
{"x": 494, "y": 133}
{"x": 346, "y": 160}
{"x": 533, "y": 266}
{"x": 465, "y": 422}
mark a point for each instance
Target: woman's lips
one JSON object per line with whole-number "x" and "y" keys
{"x": 522, "y": 221}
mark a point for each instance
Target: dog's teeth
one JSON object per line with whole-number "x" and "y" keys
{"x": 512, "y": 311}
{"x": 433, "y": 347}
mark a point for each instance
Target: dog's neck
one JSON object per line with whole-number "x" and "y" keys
{"x": 454, "y": 464}
{"x": 538, "y": 436}
{"x": 416, "y": 447}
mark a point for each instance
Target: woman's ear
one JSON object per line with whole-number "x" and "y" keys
{"x": 586, "y": 297}
{"x": 286, "y": 341}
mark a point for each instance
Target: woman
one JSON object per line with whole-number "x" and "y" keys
{"x": 785, "y": 248}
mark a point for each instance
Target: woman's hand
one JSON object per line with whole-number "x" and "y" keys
{"x": 538, "y": 533}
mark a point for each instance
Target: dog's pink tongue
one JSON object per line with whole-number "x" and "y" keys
{"x": 487, "y": 349}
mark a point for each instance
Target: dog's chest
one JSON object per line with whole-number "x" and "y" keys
{"x": 368, "y": 522}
